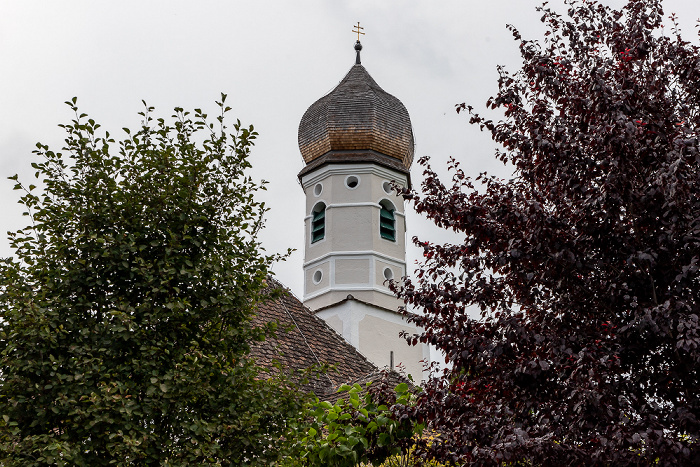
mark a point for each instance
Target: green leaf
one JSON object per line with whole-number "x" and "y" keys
{"x": 108, "y": 350}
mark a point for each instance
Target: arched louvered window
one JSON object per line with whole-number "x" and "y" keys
{"x": 387, "y": 222}
{"x": 318, "y": 222}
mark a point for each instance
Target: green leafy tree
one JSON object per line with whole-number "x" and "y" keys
{"x": 125, "y": 314}
{"x": 358, "y": 429}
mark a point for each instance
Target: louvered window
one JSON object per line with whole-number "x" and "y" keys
{"x": 318, "y": 224}
{"x": 387, "y": 224}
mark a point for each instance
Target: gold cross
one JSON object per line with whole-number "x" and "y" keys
{"x": 359, "y": 28}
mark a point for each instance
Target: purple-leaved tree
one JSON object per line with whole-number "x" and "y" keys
{"x": 584, "y": 264}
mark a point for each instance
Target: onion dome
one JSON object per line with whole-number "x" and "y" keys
{"x": 357, "y": 117}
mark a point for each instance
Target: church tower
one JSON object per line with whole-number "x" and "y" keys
{"x": 356, "y": 142}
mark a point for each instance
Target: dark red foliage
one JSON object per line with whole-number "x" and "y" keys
{"x": 584, "y": 265}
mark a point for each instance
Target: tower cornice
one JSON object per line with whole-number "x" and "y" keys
{"x": 308, "y": 178}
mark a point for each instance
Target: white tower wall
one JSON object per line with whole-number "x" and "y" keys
{"x": 353, "y": 257}
{"x": 346, "y": 272}
{"x": 355, "y": 140}
{"x": 375, "y": 332}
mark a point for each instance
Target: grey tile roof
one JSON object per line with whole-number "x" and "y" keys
{"x": 357, "y": 115}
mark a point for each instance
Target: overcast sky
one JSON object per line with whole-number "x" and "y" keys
{"x": 273, "y": 59}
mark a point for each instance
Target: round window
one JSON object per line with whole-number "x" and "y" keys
{"x": 388, "y": 274}
{"x": 386, "y": 186}
{"x": 318, "y": 275}
{"x": 352, "y": 181}
{"x": 318, "y": 189}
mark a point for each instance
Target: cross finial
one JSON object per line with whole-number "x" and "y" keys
{"x": 357, "y": 29}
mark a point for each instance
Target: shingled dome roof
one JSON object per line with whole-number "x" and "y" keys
{"x": 357, "y": 115}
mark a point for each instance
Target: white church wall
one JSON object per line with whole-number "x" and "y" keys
{"x": 353, "y": 259}
{"x": 335, "y": 323}
{"x": 350, "y": 227}
{"x": 352, "y": 194}
{"x": 352, "y": 271}
{"x": 312, "y": 283}
{"x": 386, "y": 270}
{"x": 376, "y": 334}
{"x": 379, "y": 338}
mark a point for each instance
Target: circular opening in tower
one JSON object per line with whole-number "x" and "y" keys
{"x": 318, "y": 275}
{"x": 386, "y": 186}
{"x": 388, "y": 274}
{"x": 318, "y": 189}
{"x": 352, "y": 181}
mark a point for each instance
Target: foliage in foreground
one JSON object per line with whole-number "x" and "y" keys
{"x": 357, "y": 430}
{"x": 584, "y": 265}
{"x": 125, "y": 315}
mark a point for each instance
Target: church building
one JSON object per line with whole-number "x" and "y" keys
{"x": 357, "y": 142}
